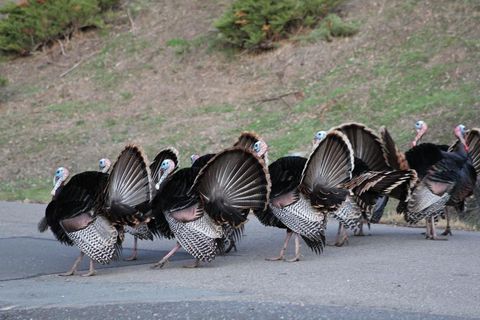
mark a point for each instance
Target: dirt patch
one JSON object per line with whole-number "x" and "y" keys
{"x": 130, "y": 85}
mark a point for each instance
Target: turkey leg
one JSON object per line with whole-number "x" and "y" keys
{"x": 91, "y": 270}
{"x": 342, "y": 237}
{"x": 434, "y": 233}
{"x": 297, "y": 249}
{"x": 447, "y": 231}
{"x": 72, "y": 271}
{"x": 161, "y": 263}
{"x": 134, "y": 254}
{"x": 284, "y": 248}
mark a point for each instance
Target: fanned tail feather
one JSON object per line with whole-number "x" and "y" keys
{"x": 232, "y": 183}
{"x": 246, "y": 140}
{"x": 473, "y": 143}
{"x": 129, "y": 187}
{"x": 330, "y": 164}
{"x": 202, "y": 161}
{"x": 366, "y": 145}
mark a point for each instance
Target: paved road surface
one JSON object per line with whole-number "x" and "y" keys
{"x": 392, "y": 274}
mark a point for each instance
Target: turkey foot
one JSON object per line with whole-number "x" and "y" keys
{"x": 284, "y": 248}
{"x": 91, "y": 270}
{"x": 342, "y": 237}
{"x": 160, "y": 264}
{"x": 447, "y": 232}
{"x": 196, "y": 264}
{"x": 231, "y": 246}
{"x": 359, "y": 232}
{"x": 72, "y": 271}
{"x": 341, "y": 242}
{"x": 433, "y": 232}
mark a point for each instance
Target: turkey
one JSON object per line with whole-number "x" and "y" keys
{"x": 421, "y": 128}
{"x": 164, "y": 164}
{"x": 231, "y": 235}
{"x": 304, "y": 191}
{"x": 420, "y": 158}
{"x": 396, "y": 159}
{"x": 286, "y": 195}
{"x": 193, "y": 204}
{"x": 447, "y": 178}
{"x": 142, "y": 231}
{"x": 368, "y": 156}
{"x": 245, "y": 141}
{"x": 91, "y": 209}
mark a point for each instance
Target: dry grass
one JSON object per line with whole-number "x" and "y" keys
{"x": 455, "y": 222}
{"x": 165, "y": 83}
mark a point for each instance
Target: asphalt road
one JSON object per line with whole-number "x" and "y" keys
{"x": 391, "y": 274}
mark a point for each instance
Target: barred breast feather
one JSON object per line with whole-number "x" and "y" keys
{"x": 198, "y": 237}
{"x": 301, "y": 218}
{"x": 98, "y": 239}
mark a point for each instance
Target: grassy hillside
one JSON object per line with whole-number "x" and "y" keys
{"x": 161, "y": 81}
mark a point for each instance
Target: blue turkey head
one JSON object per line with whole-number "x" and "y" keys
{"x": 166, "y": 167}
{"x": 61, "y": 174}
{"x": 421, "y": 127}
{"x": 104, "y": 165}
{"x": 320, "y": 135}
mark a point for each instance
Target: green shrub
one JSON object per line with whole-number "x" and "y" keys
{"x": 331, "y": 26}
{"x": 33, "y": 23}
{"x": 255, "y": 24}
{"x": 3, "y": 82}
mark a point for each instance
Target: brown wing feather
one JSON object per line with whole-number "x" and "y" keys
{"x": 394, "y": 158}
{"x": 371, "y": 185}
